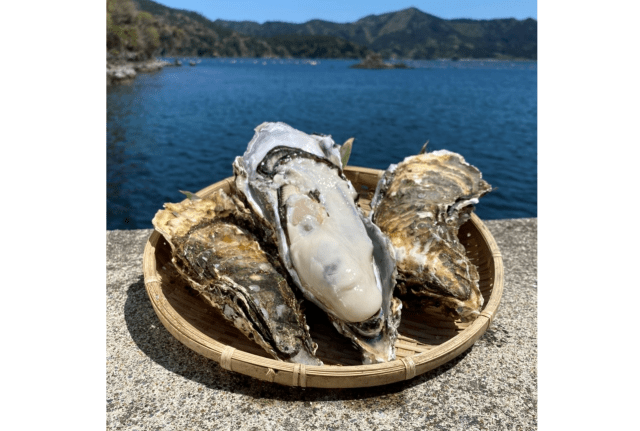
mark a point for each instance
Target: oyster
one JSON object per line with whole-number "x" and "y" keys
{"x": 421, "y": 204}
{"x": 214, "y": 247}
{"x": 337, "y": 257}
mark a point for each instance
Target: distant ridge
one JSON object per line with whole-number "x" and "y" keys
{"x": 412, "y": 33}
{"x": 202, "y": 37}
{"x": 409, "y": 33}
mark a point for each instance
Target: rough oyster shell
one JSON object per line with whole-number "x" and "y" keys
{"x": 215, "y": 250}
{"x": 421, "y": 204}
{"x": 336, "y": 256}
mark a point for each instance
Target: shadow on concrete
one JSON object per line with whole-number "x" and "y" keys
{"x": 160, "y": 346}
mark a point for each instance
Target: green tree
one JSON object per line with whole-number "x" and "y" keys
{"x": 131, "y": 31}
{"x": 121, "y": 30}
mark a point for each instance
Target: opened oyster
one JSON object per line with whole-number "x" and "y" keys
{"x": 215, "y": 247}
{"x": 421, "y": 204}
{"x": 337, "y": 257}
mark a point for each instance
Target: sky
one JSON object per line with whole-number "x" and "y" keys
{"x": 342, "y": 11}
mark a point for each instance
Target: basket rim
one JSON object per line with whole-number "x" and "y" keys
{"x": 295, "y": 374}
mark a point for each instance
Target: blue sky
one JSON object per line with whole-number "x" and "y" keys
{"x": 299, "y": 11}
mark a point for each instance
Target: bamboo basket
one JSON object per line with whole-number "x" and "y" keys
{"x": 424, "y": 342}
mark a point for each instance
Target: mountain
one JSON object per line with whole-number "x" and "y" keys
{"x": 411, "y": 33}
{"x": 143, "y": 28}
{"x": 199, "y": 36}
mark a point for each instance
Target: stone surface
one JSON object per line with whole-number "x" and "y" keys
{"x": 156, "y": 383}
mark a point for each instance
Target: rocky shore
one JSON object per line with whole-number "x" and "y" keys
{"x": 123, "y": 71}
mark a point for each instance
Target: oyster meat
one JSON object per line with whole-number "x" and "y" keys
{"x": 338, "y": 258}
{"x": 217, "y": 248}
{"x": 420, "y": 204}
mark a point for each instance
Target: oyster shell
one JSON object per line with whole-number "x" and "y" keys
{"x": 215, "y": 249}
{"x": 339, "y": 259}
{"x": 420, "y": 204}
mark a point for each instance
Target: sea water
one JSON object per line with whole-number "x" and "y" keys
{"x": 181, "y": 128}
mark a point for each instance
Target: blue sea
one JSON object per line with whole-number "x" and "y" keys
{"x": 180, "y": 128}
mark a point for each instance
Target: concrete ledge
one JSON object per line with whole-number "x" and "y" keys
{"x": 156, "y": 383}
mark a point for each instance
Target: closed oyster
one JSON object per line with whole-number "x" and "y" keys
{"x": 339, "y": 259}
{"x": 421, "y": 204}
{"x": 215, "y": 249}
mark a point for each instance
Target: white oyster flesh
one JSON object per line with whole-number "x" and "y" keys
{"x": 339, "y": 260}
{"x": 330, "y": 249}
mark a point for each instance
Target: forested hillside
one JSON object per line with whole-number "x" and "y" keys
{"x": 411, "y": 33}
{"x": 140, "y": 29}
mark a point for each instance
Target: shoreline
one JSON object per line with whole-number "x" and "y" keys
{"x": 123, "y": 71}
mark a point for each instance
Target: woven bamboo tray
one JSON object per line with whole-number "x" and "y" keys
{"x": 424, "y": 342}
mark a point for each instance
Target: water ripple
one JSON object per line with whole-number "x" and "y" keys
{"x": 182, "y": 127}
